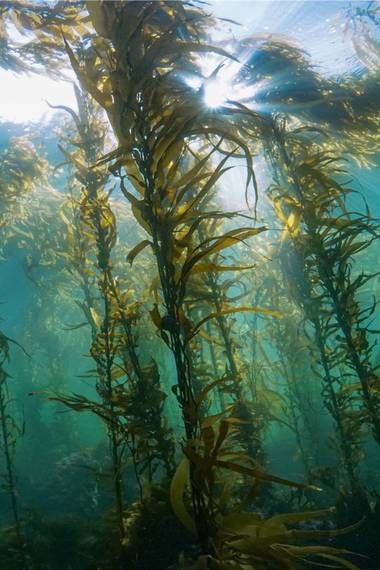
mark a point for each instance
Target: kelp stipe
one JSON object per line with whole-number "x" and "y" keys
{"x": 153, "y": 152}
{"x": 9, "y": 431}
{"x": 158, "y": 211}
{"x": 98, "y": 223}
{"x": 285, "y": 336}
{"x": 325, "y": 232}
{"x": 134, "y": 57}
{"x": 215, "y": 287}
{"x": 21, "y": 170}
{"x": 300, "y": 288}
{"x": 131, "y": 397}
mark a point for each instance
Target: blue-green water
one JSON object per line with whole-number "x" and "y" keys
{"x": 189, "y": 285}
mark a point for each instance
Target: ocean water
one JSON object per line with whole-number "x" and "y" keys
{"x": 189, "y": 285}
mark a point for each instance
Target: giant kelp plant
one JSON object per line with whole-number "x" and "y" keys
{"x": 198, "y": 342}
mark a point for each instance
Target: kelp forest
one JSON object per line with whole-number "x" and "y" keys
{"x": 190, "y": 279}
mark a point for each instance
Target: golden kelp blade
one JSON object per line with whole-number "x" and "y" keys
{"x": 177, "y": 490}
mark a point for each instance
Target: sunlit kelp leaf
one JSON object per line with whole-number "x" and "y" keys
{"x": 177, "y": 490}
{"x": 214, "y": 245}
{"x": 328, "y": 553}
{"x": 85, "y": 80}
{"x": 233, "y": 310}
{"x": 156, "y": 128}
{"x": 214, "y": 419}
{"x": 41, "y": 47}
{"x": 214, "y": 267}
{"x": 258, "y": 473}
{"x": 137, "y": 249}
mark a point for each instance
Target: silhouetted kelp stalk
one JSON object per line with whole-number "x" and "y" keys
{"x": 327, "y": 238}
{"x": 161, "y": 212}
{"x": 269, "y": 403}
{"x": 210, "y": 291}
{"x": 285, "y": 336}
{"x": 298, "y": 273}
{"x": 21, "y": 170}
{"x": 331, "y": 386}
{"x": 155, "y": 120}
{"x": 339, "y": 404}
{"x": 132, "y": 401}
{"x": 296, "y": 390}
{"x": 235, "y": 384}
{"x": 8, "y": 437}
{"x": 98, "y": 221}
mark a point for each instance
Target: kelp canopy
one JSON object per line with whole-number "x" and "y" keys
{"x": 186, "y": 384}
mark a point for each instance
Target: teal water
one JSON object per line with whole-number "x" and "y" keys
{"x": 294, "y": 398}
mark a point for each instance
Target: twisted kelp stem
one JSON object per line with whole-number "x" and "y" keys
{"x": 145, "y": 389}
{"x": 250, "y": 433}
{"x": 294, "y": 407}
{"x": 155, "y": 130}
{"x": 163, "y": 245}
{"x": 332, "y": 264}
{"x": 96, "y": 216}
{"x": 284, "y": 335}
{"x": 7, "y": 445}
{"x": 132, "y": 408}
{"x": 312, "y": 311}
{"x": 104, "y": 242}
{"x": 214, "y": 363}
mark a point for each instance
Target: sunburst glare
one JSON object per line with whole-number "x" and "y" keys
{"x": 218, "y": 82}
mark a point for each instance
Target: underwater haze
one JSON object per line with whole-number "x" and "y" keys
{"x": 190, "y": 279}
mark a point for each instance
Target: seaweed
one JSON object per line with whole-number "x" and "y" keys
{"x": 209, "y": 330}
{"x": 155, "y": 160}
{"x": 299, "y": 404}
{"x": 9, "y": 433}
{"x": 131, "y": 398}
{"x": 332, "y": 240}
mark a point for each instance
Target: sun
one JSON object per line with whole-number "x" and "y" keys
{"x": 220, "y": 83}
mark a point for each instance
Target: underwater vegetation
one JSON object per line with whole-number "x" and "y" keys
{"x": 189, "y": 364}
